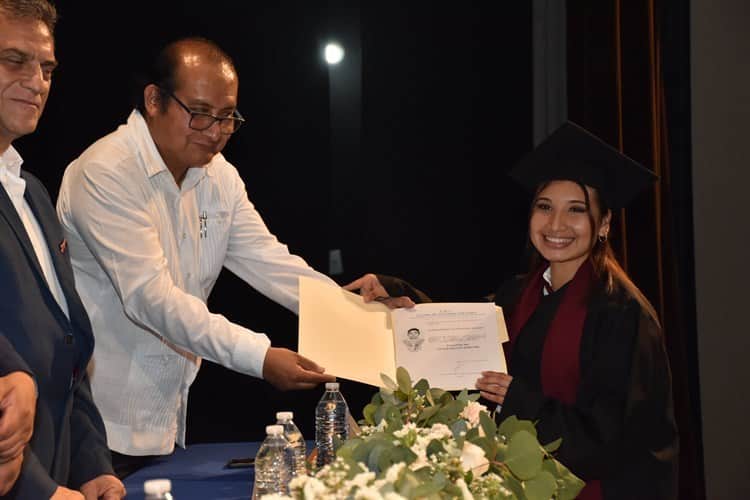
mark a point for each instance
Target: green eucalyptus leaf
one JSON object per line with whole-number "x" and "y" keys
{"x": 512, "y": 425}
{"x": 459, "y": 428}
{"x": 380, "y": 450}
{"x": 354, "y": 469}
{"x": 488, "y": 425}
{"x": 463, "y": 396}
{"x": 488, "y": 444}
{"x": 540, "y": 487}
{"x": 368, "y": 412}
{"x": 428, "y": 488}
{"x": 502, "y": 451}
{"x": 347, "y": 449}
{"x": 404, "y": 455}
{"x": 430, "y": 399}
{"x": 388, "y": 381}
{"x": 438, "y": 394}
{"x": 380, "y": 413}
{"x": 393, "y": 418}
{"x": 568, "y": 484}
{"x": 434, "y": 447}
{"x": 524, "y": 455}
{"x": 377, "y": 399}
{"x": 389, "y": 398}
{"x": 407, "y": 483}
{"x": 360, "y": 452}
{"x": 452, "y": 491}
{"x": 515, "y": 486}
{"x": 472, "y": 434}
{"x": 469, "y": 477}
{"x": 449, "y": 412}
{"x": 422, "y": 387}
{"x": 474, "y": 396}
{"x": 553, "y": 446}
{"x": 403, "y": 379}
{"x": 427, "y": 413}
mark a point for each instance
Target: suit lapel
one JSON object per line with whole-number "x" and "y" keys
{"x": 14, "y": 221}
{"x": 52, "y": 237}
{"x": 47, "y": 219}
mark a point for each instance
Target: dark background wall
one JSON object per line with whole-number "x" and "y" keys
{"x": 445, "y": 110}
{"x": 720, "y": 78}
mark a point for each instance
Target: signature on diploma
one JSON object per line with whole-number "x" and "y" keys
{"x": 464, "y": 366}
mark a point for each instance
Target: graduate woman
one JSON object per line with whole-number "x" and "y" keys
{"x": 586, "y": 355}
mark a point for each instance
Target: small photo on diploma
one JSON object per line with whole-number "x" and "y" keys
{"x": 449, "y": 344}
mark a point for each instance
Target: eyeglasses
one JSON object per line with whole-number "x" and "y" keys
{"x": 203, "y": 121}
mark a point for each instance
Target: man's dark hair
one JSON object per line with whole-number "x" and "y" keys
{"x": 37, "y": 10}
{"x": 162, "y": 71}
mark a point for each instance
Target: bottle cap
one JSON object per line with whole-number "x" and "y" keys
{"x": 332, "y": 386}
{"x": 273, "y": 430}
{"x": 284, "y": 415}
{"x": 157, "y": 487}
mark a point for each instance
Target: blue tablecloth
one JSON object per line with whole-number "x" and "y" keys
{"x": 198, "y": 473}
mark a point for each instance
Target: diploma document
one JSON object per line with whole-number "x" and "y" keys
{"x": 449, "y": 344}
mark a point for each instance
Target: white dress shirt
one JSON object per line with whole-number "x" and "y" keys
{"x": 15, "y": 186}
{"x": 146, "y": 255}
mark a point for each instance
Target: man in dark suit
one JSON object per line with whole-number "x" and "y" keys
{"x": 41, "y": 316}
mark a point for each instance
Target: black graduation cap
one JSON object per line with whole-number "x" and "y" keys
{"x": 573, "y": 153}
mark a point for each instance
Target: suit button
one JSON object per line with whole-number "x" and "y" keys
{"x": 69, "y": 339}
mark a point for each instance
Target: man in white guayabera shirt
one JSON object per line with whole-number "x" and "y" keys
{"x": 152, "y": 212}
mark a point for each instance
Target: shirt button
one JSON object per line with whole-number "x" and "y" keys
{"x": 189, "y": 275}
{"x": 184, "y": 235}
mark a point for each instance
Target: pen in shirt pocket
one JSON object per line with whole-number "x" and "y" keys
{"x": 203, "y": 221}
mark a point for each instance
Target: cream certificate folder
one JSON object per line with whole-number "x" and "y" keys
{"x": 449, "y": 344}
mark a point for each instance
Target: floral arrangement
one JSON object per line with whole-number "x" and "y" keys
{"x": 422, "y": 442}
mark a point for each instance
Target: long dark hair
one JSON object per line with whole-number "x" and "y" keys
{"x": 607, "y": 269}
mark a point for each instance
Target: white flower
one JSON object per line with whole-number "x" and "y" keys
{"x": 368, "y": 494}
{"x": 471, "y": 413}
{"x": 473, "y": 459}
{"x": 298, "y": 481}
{"x": 391, "y": 475}
{"x": 403, "y": 431}
{"x": 439, "y": 431}
{"x": 391, "y": 495}
{"x": 314, "y": 488}
{"x": 464, "y": 489}
{"x": 362, "y": 479}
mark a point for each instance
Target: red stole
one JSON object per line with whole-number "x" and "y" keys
{"x": 560, "y": 369}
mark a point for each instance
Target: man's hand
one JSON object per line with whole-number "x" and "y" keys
{"x": 287, "y": 370}
{"x": 104, "y": 487}
{"x": 370, "y": 289}
{"x": 62, "y": 493}
{"x": 17, "y": 410}
{"x": 9, "y": 472}
{"x": 494, "y": 386}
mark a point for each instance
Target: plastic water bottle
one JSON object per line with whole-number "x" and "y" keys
{"x": 331, "y": 423}
{"x": 271, "y": 464}
{"x": 296, "y": 443}
{"x": 158, "y": 489}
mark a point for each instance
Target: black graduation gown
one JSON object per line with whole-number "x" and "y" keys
{"x": 621, "y": 428}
